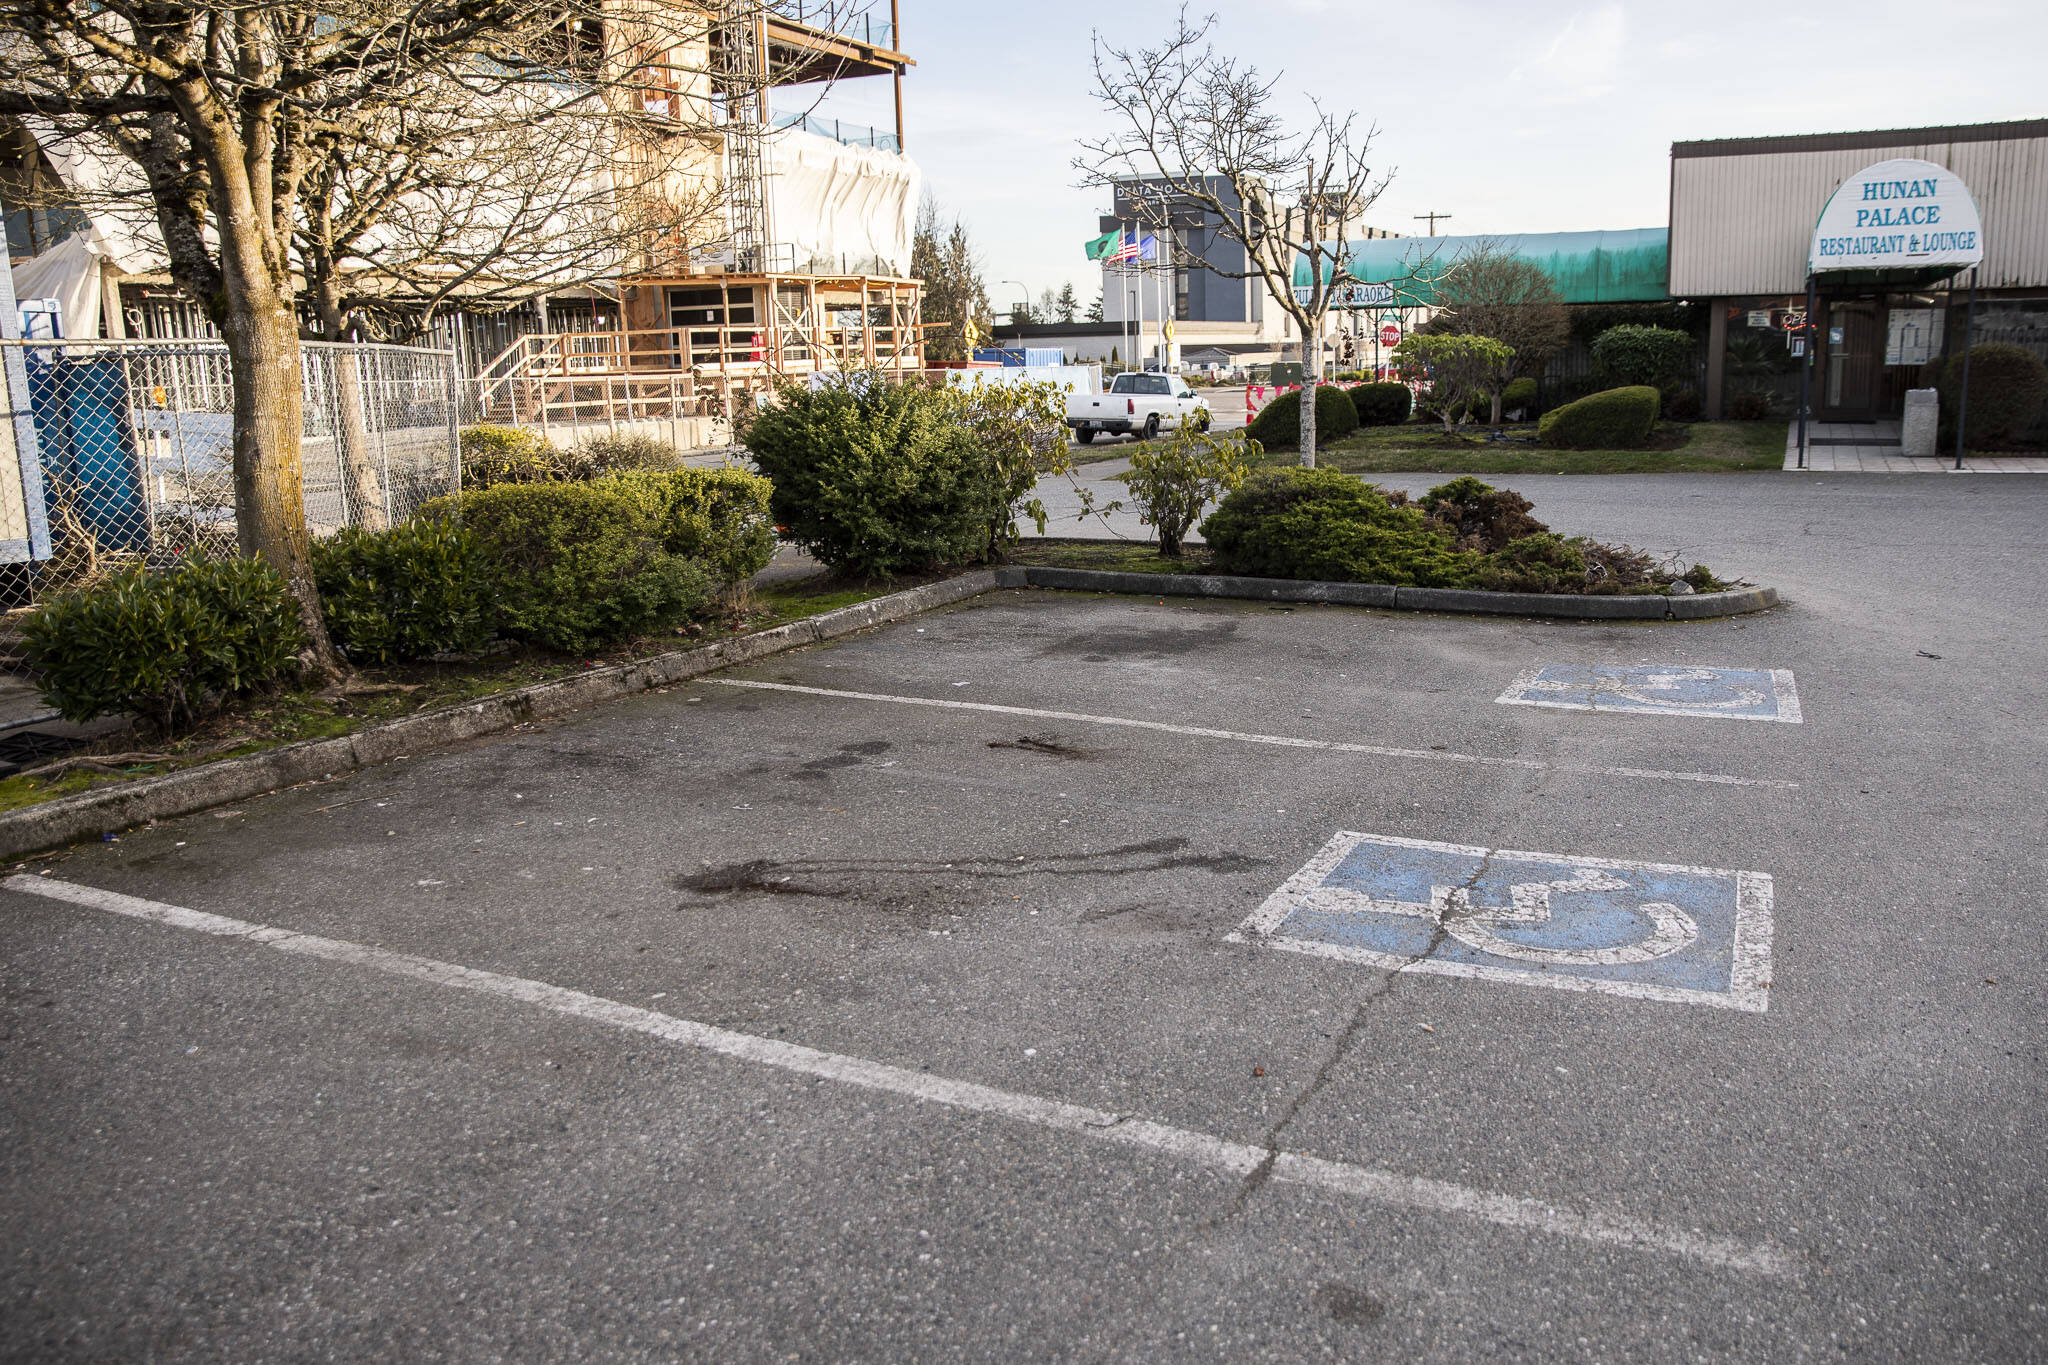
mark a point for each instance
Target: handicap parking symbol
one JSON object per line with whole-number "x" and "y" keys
{"x": 1654, "y": 931}
{"x": 1660, "y": 689}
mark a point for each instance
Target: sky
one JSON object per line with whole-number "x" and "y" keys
{"x": 1511, "y": 117}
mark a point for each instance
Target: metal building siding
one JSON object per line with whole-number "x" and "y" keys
{"x": 1742, "y": 224}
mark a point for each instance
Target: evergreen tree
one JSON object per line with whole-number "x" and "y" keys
{"x": 1067, "y": 306}
{"x": 1095, "y": 308}
{"x": 957, "y": 314}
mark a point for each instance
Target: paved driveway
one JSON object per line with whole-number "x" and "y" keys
{"x": 1000, "y": 985}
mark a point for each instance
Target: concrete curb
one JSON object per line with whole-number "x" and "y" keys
{"x": 104, "y": 810}
{"x": 1647, "y": 607}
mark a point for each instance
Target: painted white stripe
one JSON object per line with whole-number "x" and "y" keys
{"x": 1284, "y": 741}
{"x": 1240, "y": 1159}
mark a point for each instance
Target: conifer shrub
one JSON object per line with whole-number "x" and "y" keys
{"x": 1320, "y": 524}
{"x": 875, "y": 478}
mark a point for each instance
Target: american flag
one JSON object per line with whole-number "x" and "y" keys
{"x": 1127, "y": 249}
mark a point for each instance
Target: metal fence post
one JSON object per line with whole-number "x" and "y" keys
{"x": 454, "y": 428}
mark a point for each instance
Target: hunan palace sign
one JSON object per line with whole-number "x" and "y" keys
{"x": 1902, "y": 214}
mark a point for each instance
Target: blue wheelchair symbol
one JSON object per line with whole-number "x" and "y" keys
{"x": 1660, "y": 689}
{"x": 1659, "y": 931}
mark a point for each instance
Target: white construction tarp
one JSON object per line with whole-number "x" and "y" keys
{"x": 842, "y": 208}
{"x": 68, "y": 272}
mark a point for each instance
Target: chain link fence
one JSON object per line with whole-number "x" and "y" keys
{"x": 119, "y": 452}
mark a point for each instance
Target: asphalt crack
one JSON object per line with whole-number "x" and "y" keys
{"x": 1256, "y": 1179}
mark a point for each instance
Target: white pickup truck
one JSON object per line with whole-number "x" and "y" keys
{"x": 1141, "y": 405}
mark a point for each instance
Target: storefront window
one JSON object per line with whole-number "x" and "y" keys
{"x": 1761, "y": 362}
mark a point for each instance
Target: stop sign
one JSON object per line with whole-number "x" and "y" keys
{"x": 1390, "y": 334}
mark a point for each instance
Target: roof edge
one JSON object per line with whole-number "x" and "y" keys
{"x": 1866, "y": 141}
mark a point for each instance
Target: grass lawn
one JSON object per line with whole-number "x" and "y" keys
{"x": 379, "y": 694}
{"x": 1117, "y": 556}
{"x": 1677, "y": 447}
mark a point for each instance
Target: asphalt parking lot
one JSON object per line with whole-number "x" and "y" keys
{"x": 909, "y": 998}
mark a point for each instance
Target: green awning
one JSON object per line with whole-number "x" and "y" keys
{"x": 1629, "y": 265}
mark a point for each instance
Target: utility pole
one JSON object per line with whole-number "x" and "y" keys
{"x": 1432, "y": 220}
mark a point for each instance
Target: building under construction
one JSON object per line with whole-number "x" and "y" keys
{"x": 809, "y": 274}
{"x": 802, "y": 267}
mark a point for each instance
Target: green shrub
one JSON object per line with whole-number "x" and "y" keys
{"x": 877, "y": 478}
{"x": 1278, "y": 424}
{"x": 719, "y": 516}
{"x": 1173, "y": 480}
{"x": 576, "y": 565}
{"x": 1631, "y": 355}
{"x": 623, "y": 452}
{"x": 492, "y": 455}
{"x": 1382, "y": 405}
{"x": 1519, "y": 396}
{"x": 2008, "y": 385}
{"x": 1541, "y": 562}
{"x": 1320, "y": 524}
{"x": 1618, "y": 419}
{"x": 414, "y": 591}
{"x": 164, "y": 646}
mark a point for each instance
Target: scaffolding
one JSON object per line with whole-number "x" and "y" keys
{"x": 742, "y": 59}
{"x": 757, "y": 332}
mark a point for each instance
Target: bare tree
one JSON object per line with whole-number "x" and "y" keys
{"x": 412, "y": 141}
{"x": 1195, "y": 136}
{"x": 1491, "y": 292}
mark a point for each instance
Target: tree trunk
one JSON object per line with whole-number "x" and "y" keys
{"x": 1496, "y": 407}
{"x": 270, "y": 496}
{"x": 1311, "y": 376}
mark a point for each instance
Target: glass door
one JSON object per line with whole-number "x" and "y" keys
{"x": 1851, "y": 359}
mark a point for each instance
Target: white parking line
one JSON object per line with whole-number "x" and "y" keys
{"x": 1382, "y": 1187}
{"x": 1284, "y": 741}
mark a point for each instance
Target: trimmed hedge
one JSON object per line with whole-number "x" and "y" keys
{"x": 166, "y": 646}
{"x": 414, "y": 591}
{"x": 1618, "y": 419}
{"x": 1382, "y": 405}
{"x": 2008, "y": 385}
{"x": 1631, "y": 355}
{"x": 1278, "y": 424}
{"x": 1520, "y": 395}
{"x": 720, "y": 516}
{"x": 577, "y": 565}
